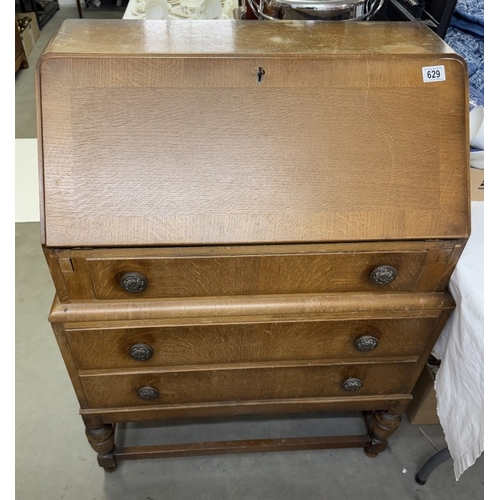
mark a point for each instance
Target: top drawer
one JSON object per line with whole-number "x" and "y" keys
{"x": 255, "y": 274}
{"x": 210, "y": 272}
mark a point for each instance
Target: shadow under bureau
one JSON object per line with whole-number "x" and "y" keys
{"x": 249, "y": 218}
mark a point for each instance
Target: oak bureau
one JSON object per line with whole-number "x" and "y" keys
{"x": 247, "y": 217}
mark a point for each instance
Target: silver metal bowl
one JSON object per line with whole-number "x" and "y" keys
{"x": 321, "y": 10}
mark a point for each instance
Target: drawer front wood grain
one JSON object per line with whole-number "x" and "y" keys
{"x": 248, "y": 342}
{"x": 254, "y": 274}
{"x": 122, "y": 389}
{"x": 97, "y": 273}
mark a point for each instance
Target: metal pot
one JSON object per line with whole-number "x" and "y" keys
{"x": 321, "y": 10}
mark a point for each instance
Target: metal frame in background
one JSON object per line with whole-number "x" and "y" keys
{"x": 436, "y": 14}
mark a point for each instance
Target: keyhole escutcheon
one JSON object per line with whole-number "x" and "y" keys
{"x": 260, "y": 74}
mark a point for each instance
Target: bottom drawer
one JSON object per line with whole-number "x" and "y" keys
{"x": 314, "y": 380}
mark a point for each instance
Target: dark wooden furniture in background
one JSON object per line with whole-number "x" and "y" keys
{"x": 268, "y": 225}
{"x": 44, "y": 9}
{"x": 104, "y": 5}
{"x": 21, "y": 57}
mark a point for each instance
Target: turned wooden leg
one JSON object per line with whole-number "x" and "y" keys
{"x": 102, "y": 440}
{"x": 381, "y": 426}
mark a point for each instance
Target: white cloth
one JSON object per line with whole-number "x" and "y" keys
{"x": 460, "y": 378}
{"x": 135, "y": 9}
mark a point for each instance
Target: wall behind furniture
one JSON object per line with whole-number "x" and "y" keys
{"x": 26, "y": 192}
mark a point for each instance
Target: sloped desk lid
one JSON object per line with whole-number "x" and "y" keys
{"x": 228, "y": 132}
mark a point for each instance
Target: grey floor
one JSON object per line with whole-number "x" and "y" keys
{"x": 54, "y": 460}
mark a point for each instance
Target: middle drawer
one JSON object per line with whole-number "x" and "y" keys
{"x": 158, "y": 346}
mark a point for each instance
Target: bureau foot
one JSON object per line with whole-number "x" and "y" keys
{"x": 381, "y": 426}
{"x": 370, "y": 454}
{"x": 107, "y": 462}
{"x": 102, "y": 440}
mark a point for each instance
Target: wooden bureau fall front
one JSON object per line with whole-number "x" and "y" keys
{"x": 247, "y": 217}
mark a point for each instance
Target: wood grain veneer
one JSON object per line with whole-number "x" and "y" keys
{"x": 255, "y": 212}
{"x": 423, "y": 266}
{"x": 109, "y": 390}
{"x": 104, "y": 348}
{"x": 330, "y": 145}
{"x": 205, "y": 310}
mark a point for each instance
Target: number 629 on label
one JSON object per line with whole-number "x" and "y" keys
{"x": 433, "y": 74}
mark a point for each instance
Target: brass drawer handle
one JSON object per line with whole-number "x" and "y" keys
{"x": 383, "y": 275}
{"x": 148, "y": 393}
{"x": 141, "y": 352}
{"x": 134, "y": 282}
{"x": 352, "y": 384}
{"x": 366, "y": 343}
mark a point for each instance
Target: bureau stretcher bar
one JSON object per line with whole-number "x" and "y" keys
{"x": 379, "y": 425}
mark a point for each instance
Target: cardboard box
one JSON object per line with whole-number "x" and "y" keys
{"x": 422, "y": 409}
{"x": 35, "y": 30}
{"x": 31, "y": 34}
{"x": 26, "y": 41}
{"x": 477, "y": 184}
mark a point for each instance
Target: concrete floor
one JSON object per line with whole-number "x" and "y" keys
{"x": 54, "y": 460}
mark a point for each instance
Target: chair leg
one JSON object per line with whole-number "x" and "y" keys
{"x": 436, "y": 459}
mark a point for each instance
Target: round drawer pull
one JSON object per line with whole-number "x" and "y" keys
{"x": 134, "y": 282}
{"x": 141, "y": 352}
{"x": 366, "y": 343}
{"x": 383, "y": 275}
{"x": 352, "y": 384}
{"x": 148, "y": 393}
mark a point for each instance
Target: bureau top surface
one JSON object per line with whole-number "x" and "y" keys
{"x": 244, "y": 132}
{"x": 235, "y": 38}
